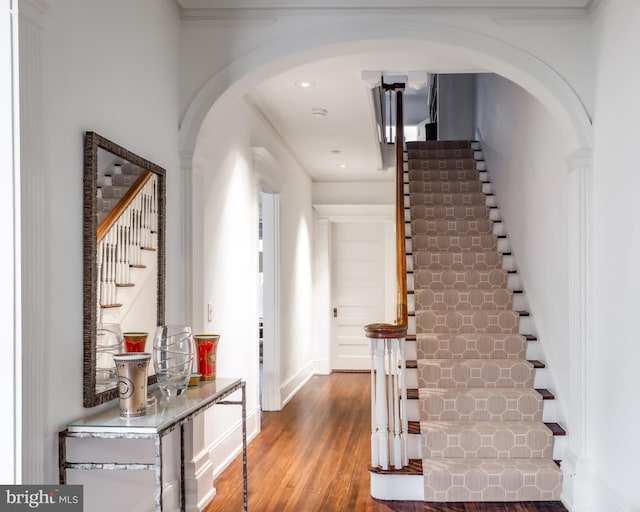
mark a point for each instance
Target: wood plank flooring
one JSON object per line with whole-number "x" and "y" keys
{"x": 313, "y": 456}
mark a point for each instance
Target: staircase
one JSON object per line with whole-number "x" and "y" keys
{"x": 479, "y": 425}
{"x": 113, "y": 184}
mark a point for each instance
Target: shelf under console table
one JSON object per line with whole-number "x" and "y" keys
{"x": 159, "y": 421}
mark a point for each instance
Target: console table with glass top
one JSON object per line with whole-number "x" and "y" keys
{"x": 165, "y": 417}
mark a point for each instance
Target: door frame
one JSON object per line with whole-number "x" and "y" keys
{"x": 271, "y": 396}
{"x": 326, "y": 216}
{"x": 270, "y": 175}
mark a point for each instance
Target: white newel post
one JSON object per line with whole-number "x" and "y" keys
{"x": 389, "y": 424}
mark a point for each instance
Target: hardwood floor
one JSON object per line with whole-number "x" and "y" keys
{"x": 314, "y": 454}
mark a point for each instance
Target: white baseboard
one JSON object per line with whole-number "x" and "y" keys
{"x": 321, "y": 366}
{"x": 577, "y": 483}
{"x": 170, "y": 499}
{"x": 607, "y": 500}
{"x": 229, "y": 445}
{"x": 295, "y": 383}
{"x": 198, "y": 477}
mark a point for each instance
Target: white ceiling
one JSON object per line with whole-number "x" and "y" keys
{"x": 347, "y": 134}
{"x": 348, "y": 127}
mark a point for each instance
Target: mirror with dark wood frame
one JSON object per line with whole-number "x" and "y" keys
{"x": 124, "y": 259}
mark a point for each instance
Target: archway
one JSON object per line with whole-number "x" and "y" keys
{"x": 532, "y": 74}
{"x": 491, "y": 54}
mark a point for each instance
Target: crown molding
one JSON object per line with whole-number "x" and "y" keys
{"x": 173, "y": 9}
{"x": 402, "y": 4}
{"x": 269, "y": 171}
{"x": 222, "y": 11}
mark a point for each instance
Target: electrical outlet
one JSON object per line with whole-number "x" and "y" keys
{"x": 209, "y": 312}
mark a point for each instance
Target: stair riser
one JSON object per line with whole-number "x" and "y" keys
{"x": 449, "y": 187}
{"x": 435, "y": 164}
{"x": 411, "y": 487}
{"x": 511, "y": 480}
{"x": 549, "y": 413}
{"x": 397, "y": 487}
{"x": 419, "y": 174}
{"x": 457, "y": 243}
{"x": 526, "y": 325}
{"x": 447, "y": 405}
{"x": 433, "y": 154}
{"x": 454, "y": 322}
{"x": 540, "y": 380}
{"x": 428, "y": 212}
{"x": 471, "y": 347}
{"x": 502, "y": 245}
{"x": 464, "y": 300}
{"x": 451, "y": 227}
{"x": 481, "y": 227}
{"x": 519, "y": 304}
{"x": 486, "y": 373}
{"x": 457, "y": 199}
{"x": 459, "y": 261}
{"x": 445, "y": 187}
{"x": 510, "y": 440}
{"x": 441, "y": 144}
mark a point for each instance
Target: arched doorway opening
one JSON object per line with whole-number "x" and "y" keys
{"x": 222, "y": 93}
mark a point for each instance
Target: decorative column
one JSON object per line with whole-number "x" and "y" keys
{"x": 10, "y": 441}
{"x": 576, "y": 465}
{"x": 198, "y": 468}
{"x": 34, "y": 342}
{"x": 191, "y": 201}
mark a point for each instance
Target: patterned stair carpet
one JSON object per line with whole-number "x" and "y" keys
{"x": 481, "y": 418}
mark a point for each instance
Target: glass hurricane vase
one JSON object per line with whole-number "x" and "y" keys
{"x": 172, "y": 358}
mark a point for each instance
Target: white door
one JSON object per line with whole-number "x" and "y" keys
{"x": 358, "y": 276}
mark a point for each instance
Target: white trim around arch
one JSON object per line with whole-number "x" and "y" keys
{"x": 519, "y": 66}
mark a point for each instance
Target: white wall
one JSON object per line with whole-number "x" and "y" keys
{"x": 456, "y": 106}
{"x": 226, "y": 215}
{"x": 616, "y": 444}
{"x": 109, "y": 67}
{"x": 350, "y": 192}
{"x": 526, "y": 159}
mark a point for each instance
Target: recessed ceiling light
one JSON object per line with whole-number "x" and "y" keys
{"x": 343, "y": 166}
{"x": 305, "y": 84}
{"x": 319, "y": 112}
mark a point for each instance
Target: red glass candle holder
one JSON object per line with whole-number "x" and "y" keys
{"x": 135, "y": 341}
{"x": 207, "y": 346}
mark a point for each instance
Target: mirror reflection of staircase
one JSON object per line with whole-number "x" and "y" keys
{"x": 127, "y": 210}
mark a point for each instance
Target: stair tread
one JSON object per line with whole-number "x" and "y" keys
{"x": 415, "y": 427}
{"x": 413, "y": 393}
{"x": 413, "y": 468}
{"x": 546, "y": 394}
{"x": 478, "y": 361}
